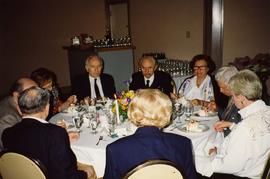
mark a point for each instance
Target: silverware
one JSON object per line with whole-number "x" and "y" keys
{"x": 99, "y": 139}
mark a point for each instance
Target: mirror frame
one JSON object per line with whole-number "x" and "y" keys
{"x": 108, "y": 13}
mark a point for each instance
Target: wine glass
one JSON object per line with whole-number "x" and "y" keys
{"x": 188, "y": 110}
{"x": 77, "y": 122}
{"x": 178, "y": 112}
{"x": 94, "y": 123}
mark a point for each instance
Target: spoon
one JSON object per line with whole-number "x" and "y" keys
{"x": 99, "y": 139}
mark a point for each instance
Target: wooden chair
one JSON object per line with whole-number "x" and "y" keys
{"x": 266, "y": 172}
{"x": 17, "y": 166}
{"x": 158, "y": 169}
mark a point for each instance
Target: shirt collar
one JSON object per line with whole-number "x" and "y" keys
{"x": 252, "y": 108}
{"x": 151, "y": 79}
{"x": 92, "y": 78}
{"x": 38, "y": 119}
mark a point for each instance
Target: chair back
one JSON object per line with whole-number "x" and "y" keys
{"x": 17, "y": 166}
{"x": 266, "y": 172}
{"x": 157, "y": 169}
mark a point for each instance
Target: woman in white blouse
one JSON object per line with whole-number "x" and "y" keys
{"x": 245, "y": 150}
{"x": 199, "y": 88}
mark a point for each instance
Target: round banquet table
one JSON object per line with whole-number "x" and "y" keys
{"x": 88, "y": 152}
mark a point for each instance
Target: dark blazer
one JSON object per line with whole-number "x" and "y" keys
{"x": 162, "y": 81}
{"x": 148, "y": 143}
{"x": 48, "y": 143}
{"x": 82, "y": 86}
{"x": 230, "y": 113}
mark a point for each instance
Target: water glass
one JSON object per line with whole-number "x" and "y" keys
{"x": 94, "y": 125}
{"x": 188, "y": 110}
{"x": 77, "y": 122}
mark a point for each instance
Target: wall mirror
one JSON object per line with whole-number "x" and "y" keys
{"x": 117, "y": 15}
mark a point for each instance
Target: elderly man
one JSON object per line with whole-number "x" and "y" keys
{"x": 36, "y": 138}
{"x": 150, "y": 77}
{"x": 10, "y": 113}
{"x": 94, "y": 84}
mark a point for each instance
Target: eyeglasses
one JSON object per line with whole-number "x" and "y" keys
{"x": 199, "y": 67}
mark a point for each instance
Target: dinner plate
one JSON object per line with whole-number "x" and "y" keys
{"x": 202, "y": 128}
{"x": 209, "y": 116}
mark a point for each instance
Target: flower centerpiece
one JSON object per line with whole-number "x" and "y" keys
{"x": 123, "y": 98}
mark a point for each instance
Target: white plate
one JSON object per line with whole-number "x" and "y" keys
{"x": 209, "y": 116}
{"x": 202, "y": 128}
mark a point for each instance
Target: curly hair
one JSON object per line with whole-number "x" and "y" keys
{"x": 210, "y": 63}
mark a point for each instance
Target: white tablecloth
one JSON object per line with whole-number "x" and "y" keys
{"x": 88, "y": 152}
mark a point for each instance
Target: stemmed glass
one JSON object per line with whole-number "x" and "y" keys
{"x": 78, "y": 123}
{"x": 94, "y": 123}
{"x": 178, "y": 112}
{"x": 188, "y": 110}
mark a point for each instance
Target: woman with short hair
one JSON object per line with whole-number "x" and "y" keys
{"x": 150, "y": 110}
{"x": 230, "y": 111}
{"x": 46, "y": 79}
{"x": 201, "y": 88}
{"x": 245, "y": 150}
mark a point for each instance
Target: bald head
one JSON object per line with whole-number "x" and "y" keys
{"x": 21, "y": 84}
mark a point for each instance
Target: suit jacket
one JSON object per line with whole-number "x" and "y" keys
{"x": 8, "y": 115}
{"x": 162, "y": 81}
{"x": 230, "y": 113}
{"x": 82, "y": 86}
{"x": 48, "y": 143}
{"x": 148, "y": 143}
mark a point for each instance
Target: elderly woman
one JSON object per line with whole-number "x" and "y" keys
{"x": 201, "y": 88}
{"x": 245, "y": 150}
{"x": 230, "y": 112}
{"x": 46, "y": 79}
{"x": 150, "y": 110}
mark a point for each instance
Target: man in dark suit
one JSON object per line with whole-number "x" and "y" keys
{"x": 94, "y": 84}
{"x": 150, "y": 77}
{"x": 10, "y": 113}
{"x": 150, "y": 110}
{"x": 36, "y": 138}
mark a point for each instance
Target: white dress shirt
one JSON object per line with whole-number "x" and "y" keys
{"x": 245, "y": 150}
{"x": 92, "y": 87}
{"x": 151, "y": 79}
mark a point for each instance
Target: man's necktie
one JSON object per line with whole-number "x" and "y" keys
{"x": 96, "y": 89}
{"x": 147, "y": 83}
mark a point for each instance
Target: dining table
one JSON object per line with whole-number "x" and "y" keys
{"x": 90, "y": 148}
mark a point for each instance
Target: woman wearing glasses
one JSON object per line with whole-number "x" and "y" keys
{"x": 201, "y": 88}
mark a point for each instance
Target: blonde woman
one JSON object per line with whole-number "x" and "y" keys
{"x": 150, "y": 111}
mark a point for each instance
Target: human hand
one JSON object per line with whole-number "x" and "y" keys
{"x": 62, "y": 123}
{"x": 72, "y": 99}
{"x": 173, "y": 96}
{"x": 73, "y": 136}
{"x": 220, "y": 125}
{"x": 212, "y": 151}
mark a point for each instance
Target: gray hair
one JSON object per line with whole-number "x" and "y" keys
{"x": 33, "y": 100}
{"x": 246, "y": 83}
{"x": 225, "y": 73}
{"x": 91, "y": 57}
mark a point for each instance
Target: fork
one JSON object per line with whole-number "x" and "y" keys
{"x": 99, "y": 139}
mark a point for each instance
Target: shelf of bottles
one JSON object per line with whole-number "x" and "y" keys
{"x": 176, "y": 68}
{"x": 119, "y": 42}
